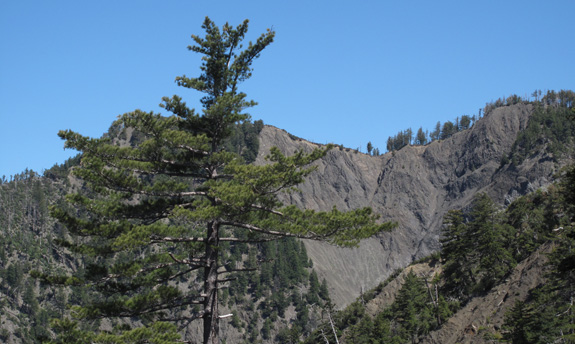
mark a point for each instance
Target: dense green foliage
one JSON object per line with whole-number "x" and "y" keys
{"x": 547, "y": 316}
{"x": 549, "y": 127}
{"x": 244, "y": 140}
{"x": 476, "y": 253}
{"x": 281, "y": 278}
{"x": 480, "y": 247}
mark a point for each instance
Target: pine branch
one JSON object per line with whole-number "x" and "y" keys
{"x": 156, "y": 239}
{"x": 237, "y": 270}
{"x": 267, "y": 231}
{"x": 248, "y": 241}
{"x": 265, "y": 209}
{"x": 227, "y": 279}
{"x": 193, "y": 262}
{"x": 127, "y": 313}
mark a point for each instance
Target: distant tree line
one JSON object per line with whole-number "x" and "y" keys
{"x": 440, "y": 132}
{"x": 408, "y": 137}
{"x": 563, "y": 98}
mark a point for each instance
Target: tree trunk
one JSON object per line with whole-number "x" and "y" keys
{"x": 211, "y": 320}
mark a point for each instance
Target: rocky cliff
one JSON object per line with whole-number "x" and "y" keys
{"x": 414, "y": 187}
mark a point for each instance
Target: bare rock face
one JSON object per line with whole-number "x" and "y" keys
{"x": 414, "y": 187}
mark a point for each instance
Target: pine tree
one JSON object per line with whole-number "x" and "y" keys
{"x": 436, "y": 133}
{"x": 420, "y": 138}
{"x": 458, "y": 270}
{"x": 165, "y": 209}
{"x": 465, "y": 122}
{"x": 361, "y": 333}
{"x": 521, "y": 324}
{"x": 447, "y": 130}
{"x": 408, "y": 136}
{"x": 323, "y": 290}
{"x": 476, "y": 254}
{"x": 314, "y": 288}
{"x": 369, "y": 147}
{"x": 491, "y": 240}
{"x": 411, "y": 307}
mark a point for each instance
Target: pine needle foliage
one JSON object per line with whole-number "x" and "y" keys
{"x": 160, "y": 212}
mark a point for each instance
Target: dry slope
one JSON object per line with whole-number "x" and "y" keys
{"x": 415, "y": 187}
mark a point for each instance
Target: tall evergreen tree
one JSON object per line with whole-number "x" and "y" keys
{"x": 458, "y": 270}
{"x": 436, "y": 133}
{"x": 491, "y": 239}
{"x": 412, "y": 309}
{"x": 160, "y": 211}
{"x": 476, "y": 253}
{"x": 465, "y": 122}
{"x": 447, "y": 130}
{"x": 520, "y": 324}
{"x": 408, "y": 136}
{"x": 420, "y": 137}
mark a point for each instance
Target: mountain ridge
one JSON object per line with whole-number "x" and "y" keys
{"x": 414, "y": 186}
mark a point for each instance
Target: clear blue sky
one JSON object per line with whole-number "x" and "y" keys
{"x": 346, "y": 72}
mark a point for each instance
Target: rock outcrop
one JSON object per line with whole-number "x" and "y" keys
{"x": 414, "y": 187}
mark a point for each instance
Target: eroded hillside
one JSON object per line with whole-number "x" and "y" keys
{"x": 415, "y": 187}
